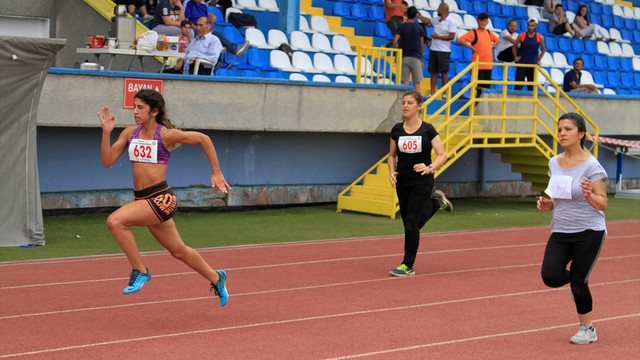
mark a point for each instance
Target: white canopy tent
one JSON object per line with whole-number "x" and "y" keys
{"x": 24, "y": 63}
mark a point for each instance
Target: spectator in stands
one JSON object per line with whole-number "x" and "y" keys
{"x": 529, "y": 43}
{"x": 205, "y": 46}
{"x": 167, "y": 18}
{"x": 133, "y": 5}
{"x": 582, "y": 22}
{"x": 410, "y": 38}
{"x": 548, "y": 8}
{"x": 195, "y": 9}
{"x": 186, "y": 28}
{"x": 394, "y": 14}
{"x": 481, "y": 42}
{"x": 444, "y": 31}
{"x": 559, "y": 25}
{"x": 572, "y": 78}
{"x": 508, "y": 37}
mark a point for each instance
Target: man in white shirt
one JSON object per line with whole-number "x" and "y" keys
{"x": 507, "y": 38}
{"x": 440, "y": 51}
{"x": 204, "y": 46}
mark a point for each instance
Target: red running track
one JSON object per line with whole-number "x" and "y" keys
{"x": 476, "y": 295}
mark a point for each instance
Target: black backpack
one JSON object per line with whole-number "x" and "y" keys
{"x": 242, "y": 20}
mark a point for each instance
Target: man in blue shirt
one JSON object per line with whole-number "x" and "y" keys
{"x": 572, "y": 78}
{"x": 204, "y": 46}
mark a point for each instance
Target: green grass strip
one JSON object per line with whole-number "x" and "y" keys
{"x": 80, "y": 235}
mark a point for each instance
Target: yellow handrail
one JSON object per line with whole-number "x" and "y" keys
{"x": 377, "y": 65}
{"x": 447, "y": 129}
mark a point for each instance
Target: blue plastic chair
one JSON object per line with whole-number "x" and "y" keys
{"x": 595, "y": 8}
{"x": 590, "y": 47}
{"x": 274, "y": 75}
{"x": 507, "y": 10}
{"x": 600, "y": 77}
{"x": 600, "y": 62}
{"x": 493, "y": 8}
{"x": 456, "y": 53}
{"x": 597, "y": 19}
{"x": 626, "y": 80}
{"x": 341, "y": 10}
{"x": 250, "y": 74}
{"x": 466, "y": 5}
{"x": 499, "y": 22}
{"x": 618, "y": 22}
{"x": 459, "y": 67}
{"x": 627, "y": 34}
{"x": 239, "y": 62}
{"x": 225, "y": 72}
{"x": 376, "y": 13}
{"x": 587, "y": 59}
{"x": 479, "y": 7}
{"x": 572, "y": 6}
{"x": 577, "y": 46}
{"x": 636, "y": 79}
{"x": 381, "y": 30}
{"x": 564, "y": 43}
{"x": 521, "y": 12}
{"x": 626, "y": 64}
{"x": 552, "y": 43}
{"x": 613, "y": 78}
{"x": 358, "y": 12}
{"x": 607, "y": 10}
{"x": 259, "y": 59}
{"x": 613, "y": 62}
{"x": 628, "y": 24}
{"x": 622, "y": 91}
{"x": 636, "y": 36}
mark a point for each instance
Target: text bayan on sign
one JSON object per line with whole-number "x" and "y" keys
{"x": 133, "y": 85}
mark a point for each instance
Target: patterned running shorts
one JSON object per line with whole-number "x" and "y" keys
{"x": 161, "y": 198}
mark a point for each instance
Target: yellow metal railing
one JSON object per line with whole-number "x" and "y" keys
{"x": 376, "y": 65}
{"x": 460, "y": 136}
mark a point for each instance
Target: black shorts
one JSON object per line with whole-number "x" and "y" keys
{"x": 161, "y": 198}
{"x": 439, "y": 62}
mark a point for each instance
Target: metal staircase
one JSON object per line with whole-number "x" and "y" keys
{"x": 461, "y": 129}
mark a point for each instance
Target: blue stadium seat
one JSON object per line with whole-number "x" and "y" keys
{"x": 618, "y": 22}
{"x": 600, "y": 77}
{"x": 627, "y": 34}
{"x": 588, "y": 61}
{"x": 259, "y": 59}
{"x": 493, "y": 8}
{"x": 376, "y": 13}
{"x": 499, "y": 22}
{"x": 250, "y": 73}
{"x": 459, "y": 67}
{"x": 507, "y": 10}
{"x": 636, "y": 79}
{"x": 624, "y": 92}
{"x": 577, "y": 46}
{"x": 595, "y": 7}
{"x": 341, "y": 10}
{"x": 626, "y": 80}
{"x": 274, "y": 75}
{"x": 597, "y": 19}
{"x": 628, "y": 24}
{"x": 564, "y": 43}
{"x": 626, "y": 64}
{"x": 613, "y": 62}
{"x": 613, "y": 79}
{"x": 600, "y": 62}
{"x": 607, "y": 9}
{"x": 466, "y": 5}
{"x": 225, "y": 72}
{"x": 521, "y": 12}
{"x": 239, "y": 62}
{"x": 590, "y": 47}
{"x": 572, "y": 6}
{"x": 552, "y": 43}
{"x": 359, "y": 12}
{"x": 456, "y": 52}
{"x": 381, "y": 30}
{"x": 479, "y": 7}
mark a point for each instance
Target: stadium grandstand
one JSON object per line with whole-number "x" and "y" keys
{"x": 300, "y": 127}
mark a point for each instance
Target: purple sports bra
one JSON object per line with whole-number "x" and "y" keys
{"x": 163, "y": 154}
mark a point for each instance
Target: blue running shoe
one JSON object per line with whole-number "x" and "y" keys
{"x": 136, "y": 281}
{"x": 220, "y": 288}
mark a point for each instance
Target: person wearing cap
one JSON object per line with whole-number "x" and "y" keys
{"x": 481, "y": 41}
{"x": 529, "y": 44}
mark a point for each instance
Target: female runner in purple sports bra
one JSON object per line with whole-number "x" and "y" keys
{"x": 149, "y": 146}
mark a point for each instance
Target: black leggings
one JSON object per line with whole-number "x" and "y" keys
{"x": 416, "y": 208}
{"x": 582, "y": 250}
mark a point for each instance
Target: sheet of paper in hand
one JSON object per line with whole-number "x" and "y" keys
{"x": 559, "y": 187}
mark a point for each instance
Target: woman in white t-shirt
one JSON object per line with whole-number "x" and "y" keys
{"x": 578, "y": 200}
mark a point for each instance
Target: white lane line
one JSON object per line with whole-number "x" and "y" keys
{"x": 300, "y": 288}
{"x": 294, "y": 243}
{"x": 331, "y": 316}
{"x": 475, "y": 338}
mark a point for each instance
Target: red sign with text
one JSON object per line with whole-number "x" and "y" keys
{"x": 132, "y": 86}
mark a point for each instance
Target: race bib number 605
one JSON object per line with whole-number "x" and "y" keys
{"x": 141, "y": 150}
{"x": 410, "y": 144}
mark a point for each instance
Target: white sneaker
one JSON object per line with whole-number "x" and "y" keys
{"x": 585, "y": 335}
